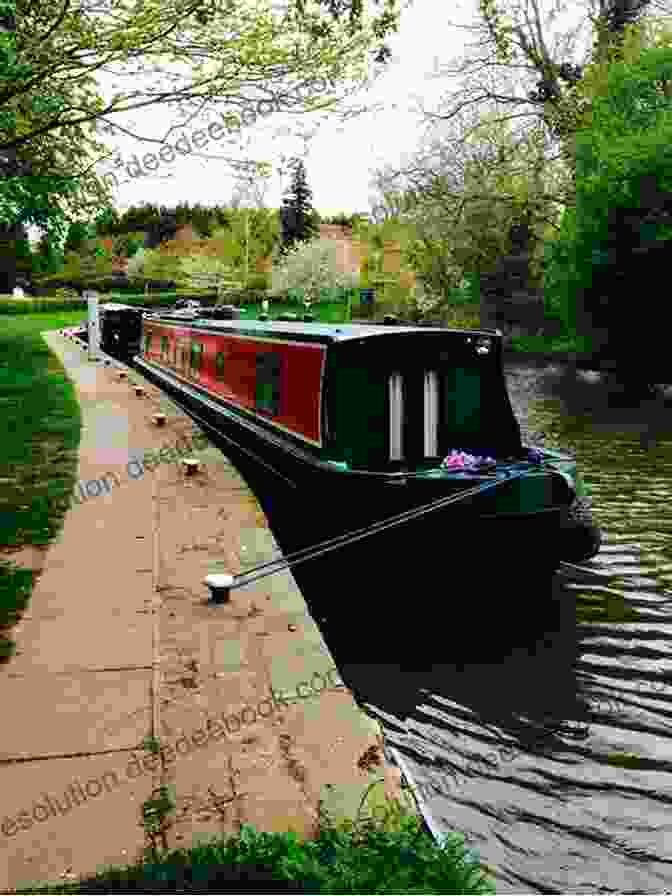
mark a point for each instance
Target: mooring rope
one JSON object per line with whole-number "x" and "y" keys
{"x": 323, "y": 547}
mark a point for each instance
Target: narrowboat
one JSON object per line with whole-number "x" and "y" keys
{"x": 365, "y": 422}
{"x": 120, "y": 329}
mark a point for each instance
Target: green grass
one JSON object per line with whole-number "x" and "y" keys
{"x": 41, "y": 425}
{"x": 565, "y": 344}
{"x": 388, "y": 854}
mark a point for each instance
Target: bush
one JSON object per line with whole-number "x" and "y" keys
{"x": 216, "y": 269}
{"x": 243, "y": 296}
{"x": 161, "y": 266}
{"x": 391, "y": 854}
{"x": 117, "y": 282}
{"x": 32, "y": 306}
{"x": 311, "y": 267}
{"x": 258, "y": 281}
{"x": 65, "y": 293}
{"x": 136, "y": 264}
{"x": 128, "y": 244}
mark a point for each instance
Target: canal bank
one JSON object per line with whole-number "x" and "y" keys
{"x": 129, "y": 685}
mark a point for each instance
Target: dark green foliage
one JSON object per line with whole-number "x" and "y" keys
{"x": 48, "y": 259}
{"x": 162, "y": 229}
{"x": 147, "y": 215}
{"x": 134, "y": 218}
{"x": 34, "y": 306}
{"x": 24, "y": 258}
{"x": 243, "y": 296}
{"x": 107, "y": 222}
{"x": 78, "y": 234}
{"x": 368, "y": 859}
{"x": 127, "y": 245}
{"x": 46, "y": 284}
{"x": 16, "y": 585}
{"x": 343, "y": 219}
{"x": 298, "y": 219}
{"x": 613, "y": 242}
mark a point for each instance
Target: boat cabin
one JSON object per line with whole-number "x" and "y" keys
{"x": 369, "y": 397}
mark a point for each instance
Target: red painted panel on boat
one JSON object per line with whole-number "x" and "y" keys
{"x": 300, "y": 379}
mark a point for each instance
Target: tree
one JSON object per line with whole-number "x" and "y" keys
{"x": 161, "y": 229}
{"x": 311, "y": 266}
{"x": 216, "y": 270}
{"x": 249, "y": 238}
{"x": 78, "y": 233}
{"x": 534, "y": 80}
{"x": 38, "y": 181}
{"x": 161, "y": 267}
{"x": 617, "y": 236}
{"x": 24, "y": 257}
{"x": 50, "y": 108}
{"x": 298, "y": 218}
{"x": 136, "y": 265}
{"x": 463, "y": 194}
{"x": 48, "y": 258}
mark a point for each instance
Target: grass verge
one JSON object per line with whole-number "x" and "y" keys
{"x": 41, "y": 430}
{"x": 388, "y": 854}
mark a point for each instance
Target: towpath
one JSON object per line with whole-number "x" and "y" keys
{"x": 119, "y": 643}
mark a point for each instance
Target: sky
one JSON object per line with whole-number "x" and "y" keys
{"x": 340, "y": 157}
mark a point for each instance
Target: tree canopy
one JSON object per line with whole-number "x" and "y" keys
{"x": 611, "y": 240}
{"x": 188, "y": 55}
{"x": 299, "y": 220}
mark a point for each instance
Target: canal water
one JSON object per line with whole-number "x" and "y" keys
{"x": 546, "y": 741}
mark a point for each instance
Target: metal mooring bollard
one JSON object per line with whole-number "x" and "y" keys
{"x": 220, "y": 584}
{"x": 159, "y": 419}
{"x": 122, "y": 374}
{"x": 139, "y": 391}
{"x": 191, "y": 465}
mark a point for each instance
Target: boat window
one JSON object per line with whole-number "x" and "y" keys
{"x": 268, "y": 382}
{"x": 396, "y": 416}
{"x": 196, "y": 355}
{"x": 431, "y": 415}
{"x": 219, "y": 365}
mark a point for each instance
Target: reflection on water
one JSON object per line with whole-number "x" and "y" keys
{"x": 555, "y": 758}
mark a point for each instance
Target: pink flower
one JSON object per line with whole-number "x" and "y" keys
{"x": 460, "y": 460}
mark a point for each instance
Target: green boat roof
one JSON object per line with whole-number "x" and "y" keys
{"x": 322, "y": 332}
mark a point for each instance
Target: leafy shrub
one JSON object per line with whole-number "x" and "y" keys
{"x": 258, "y": 281}
{"x": 136, "y": 264}
{"x": 311, "y": 267}
{"x": 32, "y": 306}
{"x": 391, "y": 854}
{"x": 216, "y": 269}
{"x": 65, "y": 293}
{"x": 422, "y": 302}
{"x": 243, "y": 296}
{"x": 128, "y": 244}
